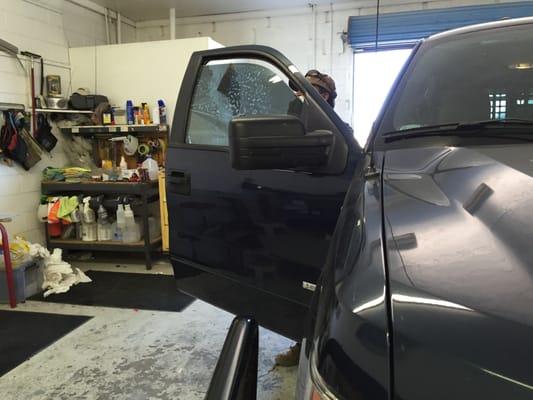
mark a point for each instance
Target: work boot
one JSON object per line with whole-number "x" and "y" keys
{"x": 290, "y": 358}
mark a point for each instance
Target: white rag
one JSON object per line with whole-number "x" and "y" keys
{"x": 59, "y": 275}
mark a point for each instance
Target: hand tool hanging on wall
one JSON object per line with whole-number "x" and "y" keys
{"x": 33, "y": 57}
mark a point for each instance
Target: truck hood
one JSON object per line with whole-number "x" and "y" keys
{"x": 459, "y": 246}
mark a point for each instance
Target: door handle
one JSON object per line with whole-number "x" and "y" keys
{"x": 179, "y": 182}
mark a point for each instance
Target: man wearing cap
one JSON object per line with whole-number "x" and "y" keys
{"x": 325, "y": 85}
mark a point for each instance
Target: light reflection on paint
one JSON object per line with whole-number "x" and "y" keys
{"x": 401, "y": 298}
{"x": 505, "y": 378}
{"x": 370, "y": 304}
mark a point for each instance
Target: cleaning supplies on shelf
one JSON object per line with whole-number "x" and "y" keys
{"x": 151, "y": 166}
{"x": 88, "y": 222}
{"x": 145, "y": 114}
{"x": 103, "y": 225}
{"x": 162, "y": 112}
{"x": 129, "y": 217}
{"x": 129, "y": 112}
{"x": 121, "y": 221}
{"x": 131, "y": 231}
{"x": 155, "y": 115}
{"x": 88, "y": 216}
{"x": 116, "y": 234}
{"x": 123, "y": 164}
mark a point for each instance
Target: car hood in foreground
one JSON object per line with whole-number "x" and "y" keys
{"x": 459, "y": 227}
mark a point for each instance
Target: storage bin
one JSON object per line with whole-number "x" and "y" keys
{"x": 28, "y": 279}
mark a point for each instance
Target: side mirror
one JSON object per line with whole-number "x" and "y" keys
{"x": 276, "y": 142}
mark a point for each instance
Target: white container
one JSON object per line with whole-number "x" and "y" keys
{"x": 116, "y": 233}
{"x": 151, "y": 166}
{"x": 132, "y": 234}
{"x": 155, "y": 115}
{"x": 88, "y": 216}
{"x": 131, "y": 231}
{"x": 104, "y": 231}
{"x": 121, "y": 221}
{"x": 129, "y": 217}
{"x": 89, "y": 232}
{"x": 103, "y": 225}
{"x": 123, "y": 165}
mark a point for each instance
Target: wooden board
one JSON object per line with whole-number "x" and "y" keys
{"x": 164, "y": 210}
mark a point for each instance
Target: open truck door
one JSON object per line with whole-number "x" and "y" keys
{"x": 257, "y": 169}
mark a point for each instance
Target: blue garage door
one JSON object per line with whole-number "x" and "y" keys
{"x": 405, "y": 28}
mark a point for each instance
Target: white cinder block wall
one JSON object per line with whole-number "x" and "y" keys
{"x": 292, "y": 32}
{"x": 48, "y": 28}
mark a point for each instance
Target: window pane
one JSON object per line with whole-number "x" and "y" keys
{"x": 374, "y": 74}
{"x": 466, "y": 78}
{"x": 230, "y": 88}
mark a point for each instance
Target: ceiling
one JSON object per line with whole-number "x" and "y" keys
{"x": 143, "y": 10}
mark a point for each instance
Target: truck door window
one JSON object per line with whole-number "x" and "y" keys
{"x": 236, "y": 87}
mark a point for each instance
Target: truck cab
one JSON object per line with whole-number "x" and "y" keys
{"x": 407, "y": 266}
{"x": 258, "y": 167}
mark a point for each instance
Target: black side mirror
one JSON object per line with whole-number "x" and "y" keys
{"x": 276, "y": 142}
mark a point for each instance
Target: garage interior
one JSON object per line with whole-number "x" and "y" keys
{"x": 91, "y": 87}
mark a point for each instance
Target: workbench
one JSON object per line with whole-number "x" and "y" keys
{"x": 144, "y": 193}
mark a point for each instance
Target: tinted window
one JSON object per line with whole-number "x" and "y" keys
{"x": 230, "y": 88}
{"x": 469, "y": 77}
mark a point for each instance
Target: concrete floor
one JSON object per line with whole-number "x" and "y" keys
{"x": 125, "y": 354}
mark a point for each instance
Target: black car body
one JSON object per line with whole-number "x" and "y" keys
{"x": 419, "y": 244}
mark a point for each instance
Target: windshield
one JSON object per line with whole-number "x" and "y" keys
{"x": 485, "y": 75}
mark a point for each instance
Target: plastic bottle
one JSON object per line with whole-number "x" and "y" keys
{"x": 123, "y": 164}
{"x": 88, "y": 226}
{"x": 121, "y": 221}
{"x": 155, "y": 115}
{"x": 146, "y": 114}
{"x": 162, "y": 112}
{"x": 89, "y": 232}
{"x": 151, "y": 166}
{"x": 129, "y": 112}
{"x": 103, "y": 225}
{"x": 88, "y": 216}
{"x": 129, "y": 234}
{"x": 116, "y": 233}
{"x": 129, "y": 217}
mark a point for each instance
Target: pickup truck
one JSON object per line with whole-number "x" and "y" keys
{"x": 405, "y": 266}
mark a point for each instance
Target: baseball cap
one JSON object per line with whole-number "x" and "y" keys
{"x": 324, "y": 81}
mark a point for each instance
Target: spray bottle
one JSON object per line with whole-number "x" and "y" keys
{"x": 88, "y": 227}
{"x": 162, "y": 112}
{"x": 103, "y": 226}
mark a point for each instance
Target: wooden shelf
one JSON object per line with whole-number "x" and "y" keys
{"x": 115, "y": 129}
{"x": 143, "y": 193}
{"x": 11, "y": 106}
{"x": 136, "y": 188}
{"x": 60, "y": 111}
{"x": 71, "y": 244}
